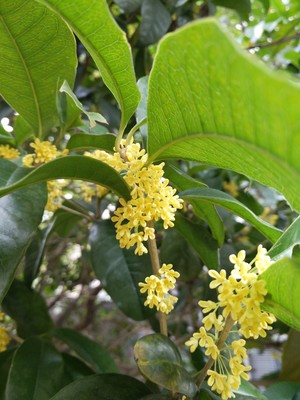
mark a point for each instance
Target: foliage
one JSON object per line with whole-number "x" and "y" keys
{"x": 99, "y": 99}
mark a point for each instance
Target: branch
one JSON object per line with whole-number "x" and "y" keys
{"x": 275, "y": 42}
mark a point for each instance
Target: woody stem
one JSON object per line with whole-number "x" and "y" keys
{"x": 153, "y": 252}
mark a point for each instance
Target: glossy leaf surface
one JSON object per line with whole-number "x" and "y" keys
{"x": 85, "y": 141}
{"x": 287, "y": 241}
{"x": 34, "y": 61}
{"x": 224, "y": 108}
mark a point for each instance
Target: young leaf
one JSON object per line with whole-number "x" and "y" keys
{"x": 230, "y": 203}
{"x": 34, "y": 61}
{"x": 120, "y": 270}
{"x": 92, "y": 22}
{"x": 224, "y": 108}
{"x": 287, "y": 241}
{"x": 87, "y": 349}
{"x": 42, "y": 379}
{"x": 159, "y": 361}
{"x": 20, "y": 215}
{"x": 283, "y": 284}
{"x": 103, "y": 387}
{"x": 70, "y": 167}
{"x": 85, "y": 141}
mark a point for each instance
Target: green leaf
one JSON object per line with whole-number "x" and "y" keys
{"x": 85, "y": 141}
{"x": 34, "y": 61}
{"x": 129, "y": 6}
{"x": 159, "y": 361}
{"x": 28, "y": 309}
{"x": 87, "y": 349}
{"x": 36, "y": 372}
{"x": 71, "y": 167}
{"x": 92, "y": 116}
{"x": 290, "y": 370}
{"x": 200, "y": 239}
{"x": 249, "y": 391}
{"x": 202, "y": 209}
{"x": 22, "y": 130}
{"x": 75, "y": 368}
{"x": 287, "y": 241}
{"x": 119, "y": 270}
{"x": 224, "y": 108}
{"x": 141, "y": 111}
{"x": 282, "y": 391}
{"x": 230, "y": 203}
{"x": 156, "y": 20}
{"x": 20, "y": 215}
{"x": 283, "y": 285}
{"x": 107, "y": 44}
{"x": 103, "y": 387}
{"x": 5, "y": 363}
{"x": 243, "y": 7}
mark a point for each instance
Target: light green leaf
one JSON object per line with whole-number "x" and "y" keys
{"x": 87, "y": 349}
{"x": 92, "y": 22}
{"x": 287, "y": 241}
{"x": 283, "y": 284}
{"x": 71, "y": 167}
{"x": 20, "y": 215}
{"x": 249, "y": 391}
{"x": 119, "y": 270}
{"x": 92, "y": 116}
{"x": 86, "y": 141}
{"x": 104, "y": 387}
{"x": 39, "y": 381}
{"x": 34, "y": 61}
{"x": 159, "y": 361}
{"x": 224, "y": 108}
{"x": 224, "y": 200}
{"x": 22, "y": 130}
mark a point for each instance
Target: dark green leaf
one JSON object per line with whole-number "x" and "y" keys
{"x": 243, "y": 7}
{"x": 200, "y": 239}
{"x": 224, "y": 108}
{"x": 103, "y": 387}
{"x": 287, "y": 241}
{"x": 159, "y": 361}
{"x": 107, "y": 44}
{"x": 20, "y": 215}
{"x": 85, "y": 141}
{"x": 290, "y": 370}
{"x": 156, "y": 397}
{"x": 249, "y": 391}
{"x": 87, "y": 349}
{"x": 202, "y": 209}
{"x": 36, "y": 372}
{"x": 5, "y": 363}
{"x": 64, "y": 222}
{"x": 230, "y": 203}
{"x": 71, "y": 167}
{"x": 129, "y": 6}
{"x": 282, "y": 391}
{"x": 119, "y": 270}
{"x": 34, "y": 61}
{"x": 28, "y": 309}
{"x": 283, "y": 285}
{"x": 74, "y": 368}
{"x": 156, "y": 20}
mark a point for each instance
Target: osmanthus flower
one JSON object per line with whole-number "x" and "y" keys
{"x": 4, "y": 337}
{"x": 239, "y": 298}
{"x": 8, "y": 152}
{"x": 44, "y": 152}
{"x": 151, "y": 196}
{"x": 158, "y": 287}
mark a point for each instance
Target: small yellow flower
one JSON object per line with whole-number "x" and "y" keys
{"x": 4, "y": 337}
{"x": 232, "y": 188}
{"x": 8, "y": 152}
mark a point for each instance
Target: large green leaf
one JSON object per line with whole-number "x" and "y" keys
{"x": 20, "y": 215}
{"x": 287, "y": 241}
{"x": 224, "y": 200}
{"x": 224, "y": 108}
{"x": 159, "y": 361}
{"x": 92, "y": 22}
{"x": 282, "y": 391}
{"x": 119, "y": 270}
{"x": 36, "y": 372}
{"x": 290, "y": 370}
{"x": 89, "y": 350}
{"x": 85, "y": 141}
{"x": 34, "y": 61}
{"x": 70, "y": 167}
{"x": 5, "y": 363}
{"x": 103, "y": 387}
{"x": 283, "y": 285}
{"x": 28, "y": 309}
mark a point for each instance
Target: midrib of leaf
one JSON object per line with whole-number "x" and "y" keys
{"x": 111, "y": 75}
{"x": 28, "y": 76}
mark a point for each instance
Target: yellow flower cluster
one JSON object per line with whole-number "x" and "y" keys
{"x": 239, "y": 298}
{"x": 4, "y": 337}
{"x": 89, "y": 190}
{"x": 44, "y": 152}
{"x": 8, "y": 152}
{"x": 151, "y": 196}
{"x": 157, "y": 288}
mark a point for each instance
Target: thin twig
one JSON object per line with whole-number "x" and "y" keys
{"x": 70, "y": 210}
{"x": 275, "y": 42}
